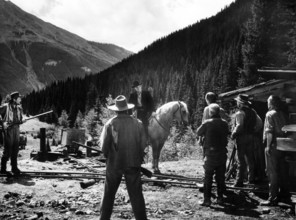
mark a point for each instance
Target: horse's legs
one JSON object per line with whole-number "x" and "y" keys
{"x": 156, "y": 154}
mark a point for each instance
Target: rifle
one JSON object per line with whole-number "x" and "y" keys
{"x": 145, "y": 171}
{"x": 30, "y": 118}
{"x": 232, "y": 165}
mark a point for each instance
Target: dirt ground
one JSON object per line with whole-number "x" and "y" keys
{"x": 39, "y": 198}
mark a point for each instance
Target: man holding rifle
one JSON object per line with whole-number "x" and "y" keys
{"x": 11, "y": 114}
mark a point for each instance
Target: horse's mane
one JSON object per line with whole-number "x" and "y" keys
{"x": 167, "y": 107}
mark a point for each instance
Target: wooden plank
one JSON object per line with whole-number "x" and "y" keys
{"x": 289, "y": 128}
{"x": 257, "y": 90}
{"x": 286, "y": 144}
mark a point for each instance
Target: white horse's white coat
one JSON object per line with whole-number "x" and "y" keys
{"x": 159, "y": 126}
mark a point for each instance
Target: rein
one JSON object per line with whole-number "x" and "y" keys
{"x": 161, "y": 125}
{"x": 179, "y": 108}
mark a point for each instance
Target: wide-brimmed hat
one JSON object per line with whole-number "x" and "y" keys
{"x": 136, "y": 83}
{"x": 120, "y": 104}
{"x": 14, "y": 95}
{"x": 243, "y": 98}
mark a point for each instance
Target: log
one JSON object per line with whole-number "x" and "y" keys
{"x": 87, "y": 147}
{"x": 86, "y": 183}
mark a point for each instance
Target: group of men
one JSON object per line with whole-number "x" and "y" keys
{"x": 124, "y": 136}
{"x": 246, "y": 126}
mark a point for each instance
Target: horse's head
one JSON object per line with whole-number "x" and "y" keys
{"x": 181, "y": 114}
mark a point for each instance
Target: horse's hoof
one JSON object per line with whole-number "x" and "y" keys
{"x": 156, "y": 171}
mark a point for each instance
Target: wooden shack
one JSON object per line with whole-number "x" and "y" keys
{"x": 283, "y": 84}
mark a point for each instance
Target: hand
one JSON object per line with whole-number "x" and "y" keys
{"x": 5, "y": 125}
{"x": 268, "y": 151}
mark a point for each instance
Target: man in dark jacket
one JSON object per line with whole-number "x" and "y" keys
{"x": 246, "y": 124}
{"x": 11, "y": 114}
{"x": 215, "y": 131}
{"x": 144, "y": 104}
{"x": 123, "y": 141}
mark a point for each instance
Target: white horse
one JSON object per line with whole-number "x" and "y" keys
{"x": 159, "y": 126}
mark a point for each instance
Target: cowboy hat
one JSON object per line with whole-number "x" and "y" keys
{"x": 136, "y": 83}
{"x": 120, "y": 104}
{"x": 243, "y": 98}
{"x": 14, "y": 95}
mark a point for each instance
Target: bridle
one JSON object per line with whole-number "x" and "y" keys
{"x": 180, "y": 110}
{"x": 182, "y": 119}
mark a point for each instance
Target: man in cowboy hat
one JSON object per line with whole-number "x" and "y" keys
{"x": 11, "y": 114}
{"x": 123, "y": 141}
{"x": 144, "y": 104}
{"x": 246, "y": 124}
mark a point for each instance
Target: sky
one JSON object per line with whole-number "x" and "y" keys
{"x": 131, "y": 24}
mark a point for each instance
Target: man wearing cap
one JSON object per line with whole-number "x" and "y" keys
{"x": 246, "y": 124}
{"x": 215, "y": 131}
{"x": 210, "y": 98}
{"x": 123, "y": 141}
{"x": 144, "y": 104}
{"x": 11, "y": 114}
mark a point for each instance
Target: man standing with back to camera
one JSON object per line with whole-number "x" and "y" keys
{"x": 215, "y": 131}
{"x": 11, "y": 114}
{"x": 246, "y": 124}
{"x": 123, "y": 141}
{"x": 276, "y": 166}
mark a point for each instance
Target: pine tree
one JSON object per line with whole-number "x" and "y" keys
{"x": 91, "y": 97}
{"x": 91, "y": 123}
{"x": 79, "y": 122}
{"x": 63, "y": 119}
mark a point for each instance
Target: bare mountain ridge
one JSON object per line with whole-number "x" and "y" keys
{"x": 33, "y": 53}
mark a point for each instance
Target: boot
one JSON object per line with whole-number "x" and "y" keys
{"x": 14, "y": 167}
{"x": 206, "y": 202}
{"x": 3, "y": 167}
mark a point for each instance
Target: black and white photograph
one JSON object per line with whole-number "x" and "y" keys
{"x": 147, "y": 109}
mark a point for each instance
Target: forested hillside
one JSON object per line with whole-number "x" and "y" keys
{"x": 217, "y": 54}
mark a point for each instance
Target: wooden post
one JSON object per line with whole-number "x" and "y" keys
{"x": 43, "y": 148}
{"x": 88, "y": 150}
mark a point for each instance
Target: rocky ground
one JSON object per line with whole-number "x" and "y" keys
{"x": 40, "y": 198}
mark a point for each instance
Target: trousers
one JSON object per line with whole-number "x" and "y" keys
{"x": 212, "y": 167}
{"x": 246, "y": 157}
{"x": 278, "y": 173}
{"x": 134, "y": 187}
{"x": 11, "y": 147}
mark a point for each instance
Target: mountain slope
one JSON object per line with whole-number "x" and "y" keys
{"x": 34, "y": 53}
{"x": 217, "y": 54}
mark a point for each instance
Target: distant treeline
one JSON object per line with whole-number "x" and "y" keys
{"x": 218, "y": 54}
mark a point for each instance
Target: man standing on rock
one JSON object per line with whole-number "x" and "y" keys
{"x": 123, "y": 141}
{"x": 11, "y": 114}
